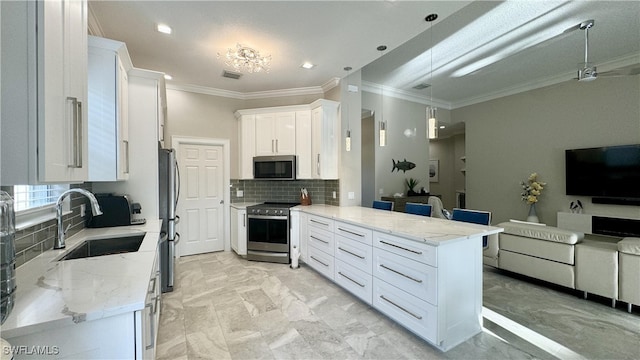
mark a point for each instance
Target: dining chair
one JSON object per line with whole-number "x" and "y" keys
{"x": 383, "y": 205}
{"x": 417, "y": 209}
{"x": 475, "y": 217}
{"x": 437, "y": 209}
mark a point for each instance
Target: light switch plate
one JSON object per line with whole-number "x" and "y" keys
{"x": 351, "y": 195}
{"x": 334, "y": 195}
{"x": 239, "y": 193}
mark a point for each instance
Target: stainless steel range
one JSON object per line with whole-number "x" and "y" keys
{"x": 268, "y": 232}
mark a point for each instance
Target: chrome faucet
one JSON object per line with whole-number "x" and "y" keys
{"x": 95, "y": 210}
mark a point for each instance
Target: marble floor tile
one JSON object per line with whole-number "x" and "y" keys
{"x": 225, "y": 307}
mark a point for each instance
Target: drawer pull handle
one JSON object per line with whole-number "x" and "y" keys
{"x": 327, "y": 265}
{"x": 351, "y": 232}
{"x": 318, "y": 222}
{"x": 400, "y": 307}
{"x": 315, "y": 238}
{"x": 402, "y": 248}
{"x": 351, "y": 253}
{"x": 399, "y": 273}
{"x": 350, "y": 279}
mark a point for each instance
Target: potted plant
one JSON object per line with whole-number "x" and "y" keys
{"x": 411, "y": 184}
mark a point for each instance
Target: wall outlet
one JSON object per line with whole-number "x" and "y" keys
{"x": 239, "y": 193}
{"x": 351, "y": 195}
{"x": 381, "y": 191}
{"x": 334, "y": 195}
{"x": 83, "y": 210}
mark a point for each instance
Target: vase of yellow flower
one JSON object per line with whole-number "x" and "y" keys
{"x": 532, "y": 189}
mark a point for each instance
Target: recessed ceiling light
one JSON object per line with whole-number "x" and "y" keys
{"x": 168, "y": 77}
{"x": 307, "y": 65}
{"x": 165, "y": 29}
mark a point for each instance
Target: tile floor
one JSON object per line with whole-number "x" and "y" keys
{"x": 225, "y": 307}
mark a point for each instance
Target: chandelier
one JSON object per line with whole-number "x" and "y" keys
{"x": 247, "y": 59}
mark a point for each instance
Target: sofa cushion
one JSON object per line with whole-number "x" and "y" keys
{"x": 547, "y": 250}
{"x": 547, "y": 233}
{"x": 629, "y": 245}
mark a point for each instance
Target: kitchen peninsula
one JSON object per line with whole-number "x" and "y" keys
{"x": 424, "y": 273}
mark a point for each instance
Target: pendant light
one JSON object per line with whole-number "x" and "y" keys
{"x": 432, "y": 122}
{"x": 347, "y": 139}
{"x": 382, "y": 125}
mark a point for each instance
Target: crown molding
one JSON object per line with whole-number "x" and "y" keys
{"x": 93, "y": 25}
{"x": 330, "y": 84}
{"x": 314, "y": 90}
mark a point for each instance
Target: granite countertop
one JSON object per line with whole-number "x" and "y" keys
{"x": 53, "y": 293}
{"x": 433, "y": 231}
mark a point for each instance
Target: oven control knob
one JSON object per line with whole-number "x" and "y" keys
{"x": 266, "y": 211}
{"x": 281, "y": 212}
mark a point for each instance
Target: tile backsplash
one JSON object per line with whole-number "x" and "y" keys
{"x": 320, "y": 191}
{"x": 34, "y": 240}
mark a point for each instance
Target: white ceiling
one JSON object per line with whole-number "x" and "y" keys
{"x": 482, "y": 49}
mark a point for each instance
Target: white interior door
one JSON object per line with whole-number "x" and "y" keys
{"x": 201, "y": 204}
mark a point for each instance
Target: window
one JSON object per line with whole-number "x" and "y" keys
{"x": 26, "y": 197}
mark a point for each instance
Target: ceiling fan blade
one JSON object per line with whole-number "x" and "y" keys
{"x": 628, "y": 71}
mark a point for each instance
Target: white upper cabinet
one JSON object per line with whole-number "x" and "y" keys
{"x": 44, "y": 92}
{"x": 303, "y": 144}
{"x": 325, "y": 130}
{"x": 276, "y": 133}
{"x": 311, "y": 132}
{"x": 109, "y": 153}
{"x": 246, "y": 145}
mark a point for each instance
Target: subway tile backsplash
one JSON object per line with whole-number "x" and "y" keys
{"x": 320, "y": 191}
{"x": 34, "y": 240}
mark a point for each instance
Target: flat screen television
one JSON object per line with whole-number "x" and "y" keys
{"x": 605, "y": 172}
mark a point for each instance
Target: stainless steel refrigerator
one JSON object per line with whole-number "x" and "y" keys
{"x": 169, "y": 182}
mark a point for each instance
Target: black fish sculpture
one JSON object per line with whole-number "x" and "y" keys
{"x": 402, "y": 165}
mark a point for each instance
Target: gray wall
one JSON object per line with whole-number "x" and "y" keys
{"x": 400, "y": 115}
{"x": 509, "y": 138}
{"x": 448, "y": 152}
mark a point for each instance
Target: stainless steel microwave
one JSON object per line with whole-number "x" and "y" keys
{"x": 281, "y": 167}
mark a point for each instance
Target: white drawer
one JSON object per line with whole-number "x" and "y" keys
{"x": 320, "y": 222}
{"x": 409, "y": 311}
{"x": 354, "y": 280}
{"x": 423, "y": 253}
{"x": 321, "y": 262}
{"x": 353, "y": 232}
{"x": 354, "y": 253}
{"x": 411, "y": 276}
{"x": 321, "y": 239}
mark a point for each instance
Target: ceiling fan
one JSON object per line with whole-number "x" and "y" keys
{"x": 588, "y": 72}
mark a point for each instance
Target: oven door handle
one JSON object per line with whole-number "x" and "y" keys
{"x": 267, "y": 217}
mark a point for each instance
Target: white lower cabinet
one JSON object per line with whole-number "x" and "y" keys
{"x": 148, "y": 318}
{"x": 431, "y": 290}
{"x": 321, "y": 261}
{"x": 239, "y": 231}
{"x": 408, "y": 275}
{"x": 409, "y": 311}
{"x": 354, "y": 280}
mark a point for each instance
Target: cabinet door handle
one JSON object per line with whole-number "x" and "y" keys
{"x": 400, "y": 307}
{"x": 152, "y": 325}
{"x": 76, "y": 133}
{"x": 318, "y": 165}
{"x": 318, "y": 222}
{"x": 402, "y": 248}
{"x": 351, "y": 253}
{"x": 327, "y": 265}
{"x": 315, "y": 238}
{"x": 350, "y": 279}
{"x": 126, "y": 156}
{"x": 401, "y": 274}
{"x": 244, "y": 220}
{"x": 277, "y": 151}
{"x": 153, "y": 285}
{"x": 272, "y": 146}
{"x": 351, "y": 232}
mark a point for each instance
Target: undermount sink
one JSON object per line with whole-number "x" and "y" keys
{"x": 105, "y": 246}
